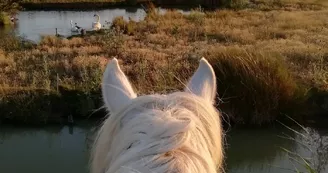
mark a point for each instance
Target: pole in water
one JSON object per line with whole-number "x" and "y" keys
{"x": 83, "y": 32}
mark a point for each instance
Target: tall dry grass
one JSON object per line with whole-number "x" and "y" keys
{"x": 312, "y": 155}
{"x": 266, "y": 62}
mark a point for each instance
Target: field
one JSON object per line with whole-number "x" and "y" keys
{"x": 269, "y": 63}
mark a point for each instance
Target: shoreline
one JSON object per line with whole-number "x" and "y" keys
{"x": 258, "y": 84}
{"x": 38, "y": 107}
{"x": 54, "y": 108}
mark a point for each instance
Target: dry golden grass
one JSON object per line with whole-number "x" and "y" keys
{"x": 265, "y": 61}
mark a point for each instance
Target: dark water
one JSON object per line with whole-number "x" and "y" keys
{"x": 34, "y": 24}
{"x": 65, "y": 149}
{"x": 50, "y": 150}
{"x": 262, "y": 150}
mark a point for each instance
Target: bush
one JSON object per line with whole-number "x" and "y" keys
{"x": 258, "y": 84}
{"x": 234, "y": 3}
{"x": 41, "y": 106}
{"x": 10, "y": 6}
{"x": 4, "y": 19}
{"x": 119, "y": 24}
{"x": 10, "y": 42}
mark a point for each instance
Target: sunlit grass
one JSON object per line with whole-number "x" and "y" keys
{"x": 266, "y": 62}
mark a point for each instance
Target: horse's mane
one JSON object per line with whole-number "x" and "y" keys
{"x": 179, "y": 132}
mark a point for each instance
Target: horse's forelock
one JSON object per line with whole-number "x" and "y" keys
{"x": 178, "y": 123}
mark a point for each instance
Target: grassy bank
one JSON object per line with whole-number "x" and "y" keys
{"x": 268, "y": 64}
{"x": 35, "y": 106}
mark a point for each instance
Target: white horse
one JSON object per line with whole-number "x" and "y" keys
{"x": 176, "y": 133}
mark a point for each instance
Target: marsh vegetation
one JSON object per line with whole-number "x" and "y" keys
{"x": 269, "y": 63}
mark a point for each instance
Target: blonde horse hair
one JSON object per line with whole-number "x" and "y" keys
{"x": 175, "y": 133}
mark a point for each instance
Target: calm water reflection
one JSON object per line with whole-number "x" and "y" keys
{"x": 65, "y": 149}
{"x": 262, "y": 150}
{"x": 33, "y": 24}
{"x": 50, "y": 150}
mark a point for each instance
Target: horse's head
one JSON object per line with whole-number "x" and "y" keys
{"x": 117, "y": 90}
{"x": 159, "y": 133}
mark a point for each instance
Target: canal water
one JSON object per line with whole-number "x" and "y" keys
{"x": 66, "y": 149}
{"x": 32, "y": 25}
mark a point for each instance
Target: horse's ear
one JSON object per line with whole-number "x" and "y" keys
{"x": 203, "y": 82}
{"x": 116, "y": 88}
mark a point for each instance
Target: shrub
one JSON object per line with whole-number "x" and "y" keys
{"x": 259, "y": 84}
{"x": 4, "y": 19}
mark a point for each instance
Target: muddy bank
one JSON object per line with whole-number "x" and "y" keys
{"x": 39, "y": 106}
{"x": 44, "y": 107}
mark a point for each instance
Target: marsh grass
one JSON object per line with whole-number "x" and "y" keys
{"x": 266, "y": 62}
{"x": 242, "y": 73}
{"x": 10, "y": 6}
{"x": 312, "y": 142}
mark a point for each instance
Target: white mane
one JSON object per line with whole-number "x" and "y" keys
{"x": 180, "y": 132}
